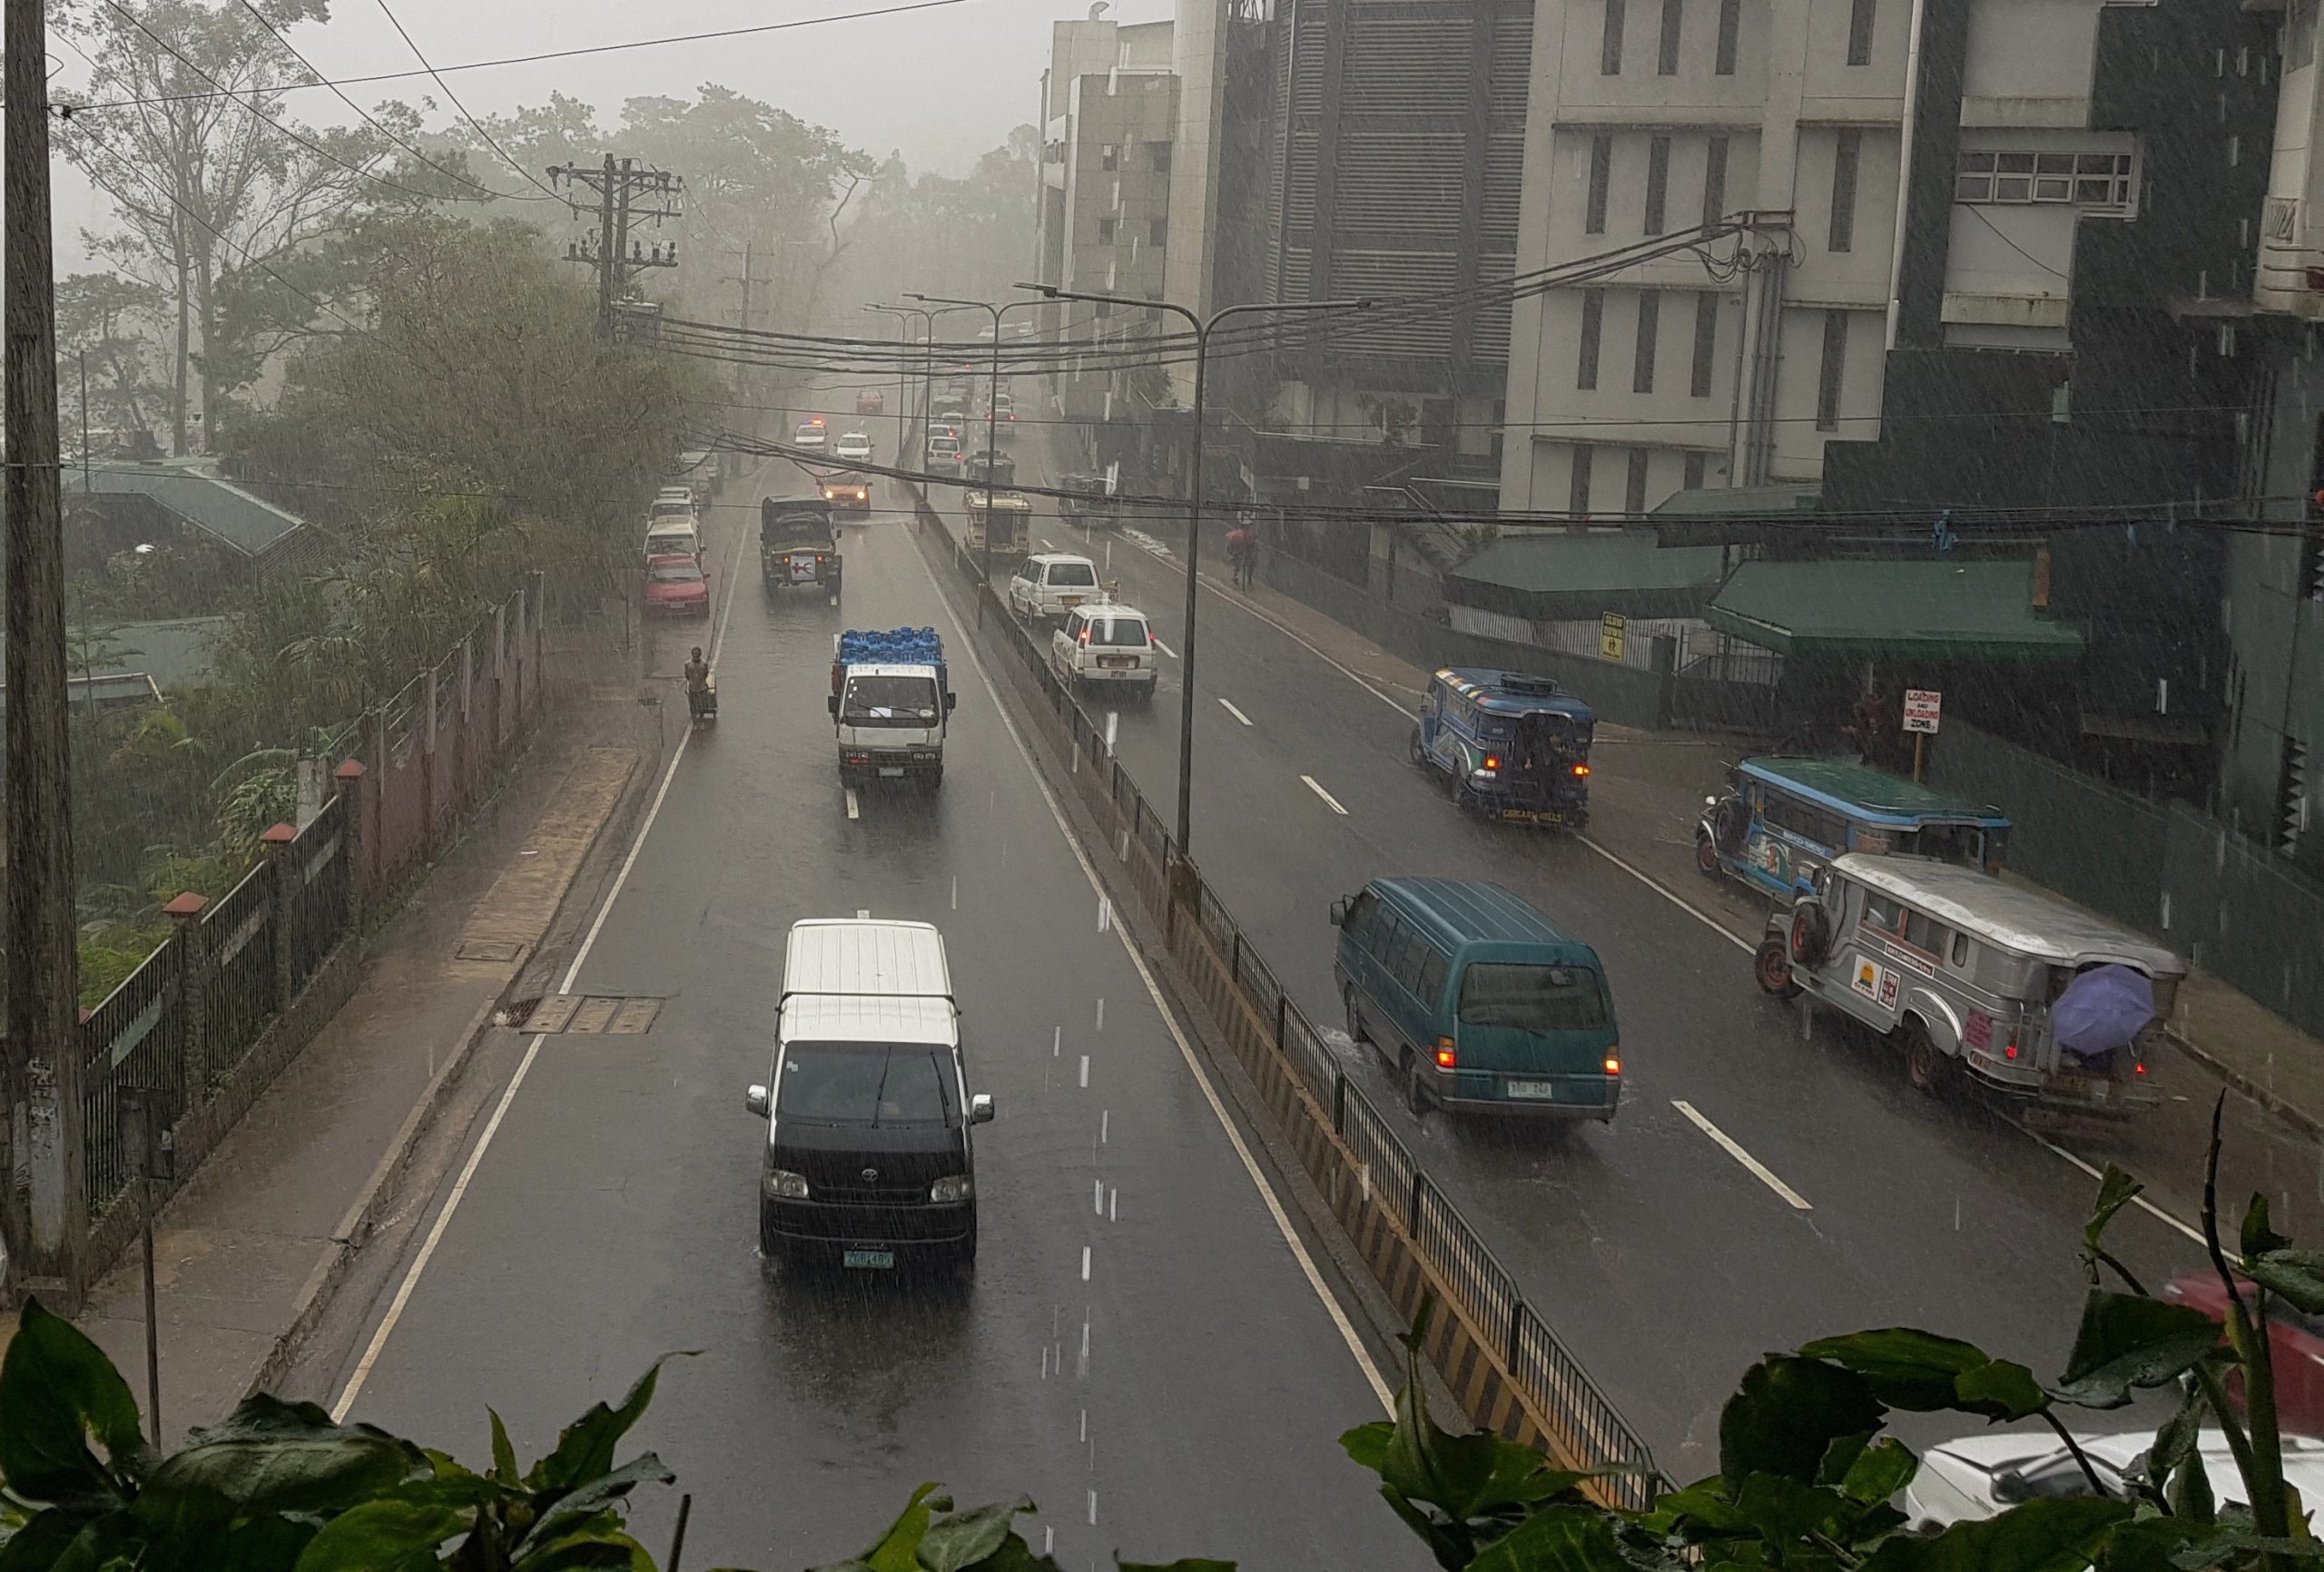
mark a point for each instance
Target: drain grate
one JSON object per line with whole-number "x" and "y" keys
{"x": 610, "y": 1015}
{"x": 488, "y": 949}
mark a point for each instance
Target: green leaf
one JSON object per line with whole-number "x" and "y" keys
{"x": 2000, "y": 1390}
{"x": 2144, "y": 1545}
{"x": 1368, "y": 1444}
{"x": 598, "y": 1495}
{"x": 1879, "y": 1471}
{"x": 2045, "y": 1536}
{"x": 2258, "y": 1238}
{"x": 966, "y": 1539}
{"x": 597, "y": 1541}
{"x": 2296, "y": 1275}
{"x": 585, "y": 1449}
{"x": 270, "y": 1455}
{"x": 898, "y": 1549}
{"x": 36, "y": 1545}
{"x": 1788, "y": 1412}
{"x": 2116, "y": 1190}
{"x": 1924, "y": 1373}
{"x": 1559, "y": 1539}
{"x": 58, "y": 1391}
{"x": 382, "y": 1537}
{"x": 504, "y": 1456}
{"x": 1465, "y": 1476}
{"x": 2128, "y": 1340}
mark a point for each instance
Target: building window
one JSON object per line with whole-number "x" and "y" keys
{"x": 1157, "y": 157}
{"x": 1657, "y": 181}
{"x": 1714, "y": 180}
{"x": 1577, "y": 491}
{"x": 1860, "y": 32}
{"x": 1666, "y": 55}
{"x": 1845, "y": 153}
{"x": 1634, "y": 484}
{"x": 2096, "y": 180}
{"x": 1105, "y": 232}
{"x": 1649, "y": 323}
{"x": 1706, "y": 342}
{"x": 1157, "y": 233}
{"x": 1610, "y": 48}
{"x": 1601, "y": 174}
{"x": 1109, "y": 158}
{"x": 1730, "y": 23}
{"x": 1594, "y": 322}
{"x": 1694, "y": 476}
{"x": 1827, "y": 377}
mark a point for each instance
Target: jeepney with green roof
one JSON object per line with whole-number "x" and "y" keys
{"x": 1782, "y": 819}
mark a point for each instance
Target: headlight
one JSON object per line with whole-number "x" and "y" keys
{"x": 782, "y": 1185}
{"x": 1481, "y": 774}
{"x": 953, "y": 1187}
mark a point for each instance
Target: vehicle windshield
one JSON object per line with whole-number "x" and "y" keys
{"x": 1072, "y": 575}
{"x": 796, "y": 529}
{"x": 1121, "y": 632}
{"x": 889, "y": 700}
{"x": 873, "y": 1083}
{"x": 674, "y": 572}
{"x": 1535, "y": 998}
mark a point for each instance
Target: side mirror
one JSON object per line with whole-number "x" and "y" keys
{"x": 1339, "y": 912}
{"x": 2009, "y": 1485}
{"x": 981, "y": 1108}
{"x": 952, "y": 702}
{"x": 831, "y": 702}
{"x": 754, "y": 1099}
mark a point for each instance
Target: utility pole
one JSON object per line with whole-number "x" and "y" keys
{"x": 613, "y": 253}
{"x": 40, "y": 1062}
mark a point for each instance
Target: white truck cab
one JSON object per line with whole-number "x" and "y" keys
{"x": 892, "y": 702}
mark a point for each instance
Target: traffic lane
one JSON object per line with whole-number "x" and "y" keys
{"x": 818, "y": 1402}
{"x": 1884, "y": 1167}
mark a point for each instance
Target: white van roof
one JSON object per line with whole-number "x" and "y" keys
{"x": 864, "y": 979}
{"x": 2010, "y": 915}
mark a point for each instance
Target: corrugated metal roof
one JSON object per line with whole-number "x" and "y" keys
{"x": 1562, "y": 577}
{"x": 2014, "y": 915}
{"x": 1741, "y": 501}
{"x": 1847, "y": 784}
{"x": 1927, "y": 610}
{"x": 188, "y": 489}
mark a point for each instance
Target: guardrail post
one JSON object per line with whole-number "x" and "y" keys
{"x": 284, "y": 876}
{"x": 1281, "y": 1043}
{"x": 1516, "y": 1320}
{"x": 187, "y": 933}
{"x": 1235, "y": 961}
{"x": 1412, "y": 1219}
{"x": 1339, "y": 1102}
{"x": 354, "y": 836}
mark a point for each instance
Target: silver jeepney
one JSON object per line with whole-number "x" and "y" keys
{"x": 1960, "y": 969}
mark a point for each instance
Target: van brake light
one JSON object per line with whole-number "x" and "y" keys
{"x": 1613, "y": 1064}
{"x": 1581, "y": 768}
{"x": 1445, "y": 1058}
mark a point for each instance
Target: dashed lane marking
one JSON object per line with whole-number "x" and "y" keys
{"x": 1329, "y": 800}
{"x": 1236, "y": 713}
{"x": 1734, "y": 1149}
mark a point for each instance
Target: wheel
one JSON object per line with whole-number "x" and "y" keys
{"x": 1929, "y": 1070}
{"x": 1464, "y": 799}
{"x": 1145, "y": 693}
{"x": 772, "y": 1249}
{"x": 1415, "y": 1094}
{"x": 1772, "y": 966}
{"x": 1355, "y": 1021}
{"x": 1811, "y": 932}
{"x": 1706, "y": 856}
{"x": 1416, "y": 752}
{"x": 935, "y": 778}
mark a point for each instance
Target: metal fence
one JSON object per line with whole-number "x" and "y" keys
{"x": 318, "y": 903}
{"x": 238, "y": 934}
{"x": 136, "y": 1038}
{"x": 1363, "y": 1167}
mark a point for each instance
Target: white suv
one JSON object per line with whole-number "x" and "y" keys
{"x": 1106, "y": 645}
{"x": 1049, "y": 584}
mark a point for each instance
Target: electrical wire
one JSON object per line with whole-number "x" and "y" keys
{"x": 490, "y": 141}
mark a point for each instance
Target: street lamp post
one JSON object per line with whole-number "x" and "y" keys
{"x": 1202, "y": 327}
{"x": 903, "y": 371}
{"x": 992, "y": 420}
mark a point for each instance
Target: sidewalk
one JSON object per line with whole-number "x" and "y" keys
{"x": 249, "y": 1252}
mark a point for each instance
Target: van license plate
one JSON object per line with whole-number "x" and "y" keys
{"x": 891, "y": 771}
{"x": 1069, "y": 600}
{"x": 869, "y": 1260}
{"x": 1116, "y": 662}
{"x": 1543, "y": 1091}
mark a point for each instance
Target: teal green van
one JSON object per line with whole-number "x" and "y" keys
{"x": 1477, "y": 1001}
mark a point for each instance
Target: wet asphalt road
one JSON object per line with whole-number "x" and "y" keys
{"x": 1140, "y": 1351}
{"x": 1667, "y": 1263}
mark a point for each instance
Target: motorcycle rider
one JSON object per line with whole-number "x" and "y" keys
{"x": 697, "y": 671}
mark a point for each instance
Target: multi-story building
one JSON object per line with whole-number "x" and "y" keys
{"x": 1110, "y": 114}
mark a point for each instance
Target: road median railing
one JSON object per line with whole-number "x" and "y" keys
{"x": 1501, "y": 1361}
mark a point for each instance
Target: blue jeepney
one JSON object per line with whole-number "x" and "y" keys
{"x": 1782, "y": 819}
{"x": 1509, "y": 746}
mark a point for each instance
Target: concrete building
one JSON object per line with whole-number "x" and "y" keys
{"x": 1109, "y": 117}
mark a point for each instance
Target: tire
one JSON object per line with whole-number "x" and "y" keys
{"x": 935, "y": 778}
{"x": 1416, "y": 1097}
{"x": 1811, "y": 932}
{"x": 1928, "y": 1069}
{"x": 1706, "y": 856}
{"x": 1355, "y": 1021}
{"x": 1772, "y": 966}
{"x": 1416, "y": 752}
{"x": 772, "y": 1250}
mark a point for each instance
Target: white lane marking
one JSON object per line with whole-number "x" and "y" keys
{"x": 2140, "y": 1202}
{"x": 1085, "y": 1263}
{"x": 371, "y": 1351}
{"x": 854, "y": 807}
{"x": 1236, "y": 713}
{"x": 1332, "y": 801}
{"x": 862, "y": 913}
{"x": 1674, "y": 898}
{"x": 1163, "y": 647}
{"x": 1084, "y": 1072}
{"x": 1760, "y": 1169}
{"x": 1098, "y": 1196}
{"x": 1273, "y": 1204}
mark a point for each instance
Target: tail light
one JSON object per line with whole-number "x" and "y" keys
{"x": 1491, "y": 762}
{"x": 1445, "y": 1058}
{"x": 2008, "y": 1049}
{"x": 1085, "y": 635}
{"x": 1581, "y": 768}
{"x": 2139, "y": 1068}
{"x": 1613, "y": 1064}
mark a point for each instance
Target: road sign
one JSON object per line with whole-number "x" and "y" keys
{"x": 1610, "y": 627}
{"x": 1921, "y": 705}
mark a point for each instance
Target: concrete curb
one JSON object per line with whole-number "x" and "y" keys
{"x": 2306, "y": 1124}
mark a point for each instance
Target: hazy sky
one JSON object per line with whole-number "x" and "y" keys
{"x": 940, "y": 86}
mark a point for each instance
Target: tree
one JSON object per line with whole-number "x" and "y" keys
{"x": 107, "y": 321}
{"x": 955, "y": 237}
{"x": 191, "y": 143}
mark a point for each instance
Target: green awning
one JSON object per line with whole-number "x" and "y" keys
{"x": 1558, "y": 576}
{"x": 1739, "y": 501}
{"x": 1934, "y": 610}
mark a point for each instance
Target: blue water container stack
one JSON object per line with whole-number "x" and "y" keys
{"x": 893, "y": 647}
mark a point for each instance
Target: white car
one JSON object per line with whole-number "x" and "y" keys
{"x": 944, "y": 452}
{"x": 1980, "y": 1476}
{"x": 681, "y": 495}
{"x": 1105, "y": 646}
{"x": 809, "y": 433}
{"x": 1047, "y": 584}
{"x": 853, "y": 444}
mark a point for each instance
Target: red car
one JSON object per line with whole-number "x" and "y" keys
{"x": 871, "y": 401}
{"x": 675, "y": 585}
{"x": 2295, "y": 1341}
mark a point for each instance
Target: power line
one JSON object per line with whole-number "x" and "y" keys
{"x": 438, "y": 73}
{"x": 463, "y": 108}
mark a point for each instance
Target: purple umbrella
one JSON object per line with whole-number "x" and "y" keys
{"x": 2103, "y": 1009}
